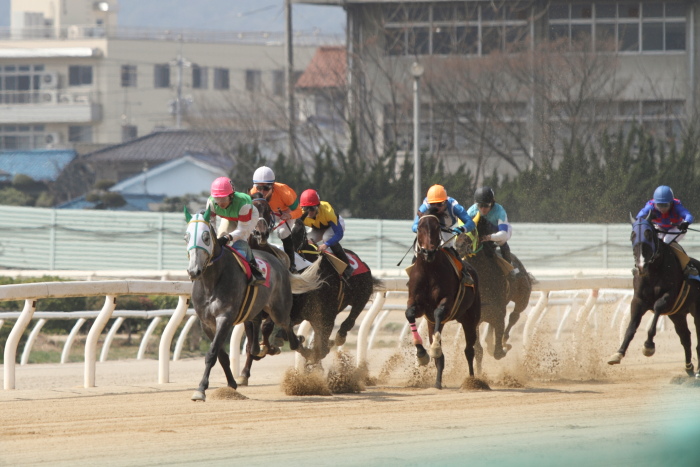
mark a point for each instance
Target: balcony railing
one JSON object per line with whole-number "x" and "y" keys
{"x": 301, "y": 38}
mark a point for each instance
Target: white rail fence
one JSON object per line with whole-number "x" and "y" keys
{"x": 546, "y": 295}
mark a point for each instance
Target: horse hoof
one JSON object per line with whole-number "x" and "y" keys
{"x": 263, "y": 351}
{"x": 243, "y": 381}
{"x": 499, "y": 353}
{"x": 274, "y": 351}
{"x": 648, "y": 351}
{"x": 278, "y": 342}
{"x": 339, "y": 340}
{"x": 507, "y": 347}
{"x": 423, "y": 360}
{"x": 615, "y": 358}
{"x": 199, "y": 396}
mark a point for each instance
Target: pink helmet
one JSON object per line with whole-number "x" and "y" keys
{"x": 222, "y": 186}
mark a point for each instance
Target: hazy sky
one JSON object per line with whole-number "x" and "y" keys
{"x": 232, "y": 15}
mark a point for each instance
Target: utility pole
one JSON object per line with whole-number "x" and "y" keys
{"x": 289, "y": 78}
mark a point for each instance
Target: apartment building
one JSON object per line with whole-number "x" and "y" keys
{"x": 71, "y": 76}
{"x": 651, "y": 47}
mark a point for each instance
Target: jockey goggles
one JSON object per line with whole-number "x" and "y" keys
{"x": 264, "y": 187}
{"x": 309, "y": 208}
{"x": 662, "y": 205}
{"x": 484, "y": 205}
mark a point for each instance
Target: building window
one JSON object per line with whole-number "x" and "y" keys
{"x": 253, "y": 81}
{"x": 278, "y": 83}
{"x": 128, "y": 76}
{"x": 21, "y": 84}
{"x": 129, "y": 133}
{"x": 200, "y": 77}
{"x": 632, "y": 27}
{"x": 161, "y": 76}
{"x": 455, "y": 28}
{"x": 80, "y": 134}
{"x": 79, "y": 75}
{"x": 221, "y": 78}
{"x": 14, "y": 137}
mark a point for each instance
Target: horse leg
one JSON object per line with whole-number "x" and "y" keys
{"x": 421, "y": 354}
{"x": 436, "y": 345}
{"x": 267, "y": 327}
{"x": 637, "y": 312}
{"x": 680, "y": 322}
{"x": 348, "y": 323}
{"x": 660, "y": 305}
{"x": 478, "y": 351}
{"x": 226, "y": 365}
{"x": 223, "y": 325}
{"x": 498, "y": 336}
{"x": 520, "y": 305}
{"x": 252, "y": 349}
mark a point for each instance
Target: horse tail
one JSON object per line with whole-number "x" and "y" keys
{"x": 377, "y": 284}
{"x": 308, "y": 280}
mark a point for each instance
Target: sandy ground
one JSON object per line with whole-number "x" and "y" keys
{"x": 572, "y": 409}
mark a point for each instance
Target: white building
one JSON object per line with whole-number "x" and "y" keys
{"x": 70, "y": 75}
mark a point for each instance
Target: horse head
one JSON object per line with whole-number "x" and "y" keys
{"x": 298, "y": 236}
{"x": 645, "y": 243}
{"x": 428, "y": 238}
{"x": 201, "y": 242}
{"x": 265, "y": 220}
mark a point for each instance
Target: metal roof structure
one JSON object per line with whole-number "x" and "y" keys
{"x": 40, "y": 165}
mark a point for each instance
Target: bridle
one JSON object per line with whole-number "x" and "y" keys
{"x": 193, "y": 241}
{"x": 639, "y": 228}
{"x": 426, "y": 252}
{"x": 269, "y": 224}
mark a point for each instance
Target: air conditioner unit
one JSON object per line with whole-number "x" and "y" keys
{"x": 52, "y": 138}
{"x": 49, "y": 80}
{"x": 48, "y": 97}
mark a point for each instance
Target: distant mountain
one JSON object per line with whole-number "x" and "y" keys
{"x": 226, "y": 15}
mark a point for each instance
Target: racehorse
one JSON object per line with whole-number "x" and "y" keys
{"x": 495, "y": 288}
{"x": 222, "y": 298}
{"x": 438, "y": 291}
{"x": 259, "y": 239}
{"x": 659, "y": 285}
{"x": 321, "y": 306}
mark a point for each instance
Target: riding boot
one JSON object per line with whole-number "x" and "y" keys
{"x": 289, "y": 249}
{"x": 505, "y": 254}
{"x": 468, "y": 280}
{"x": 339, "y": 252}
{"x": 256, "y": 277}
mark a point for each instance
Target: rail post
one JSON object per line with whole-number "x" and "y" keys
{"x": 13, "y": 341}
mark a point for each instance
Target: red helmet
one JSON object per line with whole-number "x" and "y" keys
{"x": 221, "y": 187}
{"x": 309, "y": 198}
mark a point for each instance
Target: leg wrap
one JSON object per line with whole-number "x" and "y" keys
{"x": 416, "y": 337}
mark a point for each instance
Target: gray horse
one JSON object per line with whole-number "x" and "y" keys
{"x": 221, "y": 296}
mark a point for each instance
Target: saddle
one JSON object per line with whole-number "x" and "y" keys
{"x": 458, "y": 265}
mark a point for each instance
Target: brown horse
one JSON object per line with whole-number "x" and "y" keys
{"x": 439, "y": 293}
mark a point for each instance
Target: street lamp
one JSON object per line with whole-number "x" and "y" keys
{"x": 417, "y": 71}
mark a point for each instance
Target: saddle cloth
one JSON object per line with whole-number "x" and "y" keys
{"x": 263, "y": 266}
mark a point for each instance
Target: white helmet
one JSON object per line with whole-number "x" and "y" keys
{"x": 263, "y": 175}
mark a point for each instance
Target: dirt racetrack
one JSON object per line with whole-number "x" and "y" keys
{"x": 571, "y": 410}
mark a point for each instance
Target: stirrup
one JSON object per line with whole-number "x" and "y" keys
{"x": 690, "y": 270}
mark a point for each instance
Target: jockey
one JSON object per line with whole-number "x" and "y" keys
{"x": 238, "y": 218}
{"x": 485, "y": 204}
{"x": 450, "y": 212}
{"x": 283, "y": 203}
{"x": 326, "y": 226}
{"x": 668, "y": 214}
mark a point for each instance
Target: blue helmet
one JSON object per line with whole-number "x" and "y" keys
{"x": 663, "y": 194}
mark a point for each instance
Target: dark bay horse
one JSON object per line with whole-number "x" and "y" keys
{"x": 495, "y": 288}
{"x": 660, "y": 286}
{"x": 437, "y": 291}
{"x": 221, "y": 296}
{"x": 321, "y": 306}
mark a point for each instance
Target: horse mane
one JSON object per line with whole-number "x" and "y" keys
{"x": 258, "y": 195}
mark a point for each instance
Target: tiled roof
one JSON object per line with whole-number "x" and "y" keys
{"x": 326, "y": 70}
{"x": 166, "y": 145}
{"x": 134, "y": 202}
{"x": 44, "y": 165}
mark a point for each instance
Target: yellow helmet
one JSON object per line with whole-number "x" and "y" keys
{"x": 437, "y": 194}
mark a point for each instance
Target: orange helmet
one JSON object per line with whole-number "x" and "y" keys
{"x": 437, "y": 194}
